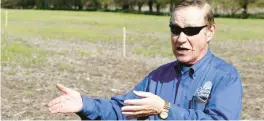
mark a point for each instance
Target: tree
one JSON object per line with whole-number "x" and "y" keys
{"x": 78, "y": 4}
{"x": 62, "y": 4}
{"x": 125, "y": 5}
{"x": 229, "y": 7}
{"x": 244, "y": 4}
{"x": 18, "y": 3}
{"x": 91, "y": 4}
{"x": 150, "y": 4}
{"x": 173, "y": 4}
{"x": 42, "y": 4}
{"x": 259, "y": 3}
{"x": 105, "y": 3}
{"x": 9, "y": 3}
{"x": 233, "y": 6}
{"x": 161, "y": 4}
{"x": 140, "y": 3}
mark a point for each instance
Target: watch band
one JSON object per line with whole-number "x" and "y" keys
{"x": 165, "y": 111}
{"x": 166, "y": 106}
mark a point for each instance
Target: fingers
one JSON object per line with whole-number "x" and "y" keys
{"x": 62, "y": 88}
{"x": 55, "y": 108}
{"x": 59, "y": 105}
{"x": 131, "y": 108}
{"x": 142, "y": 101}
{"x": 55, "y": 111}
{"x": 131, "y": 115}
{"x": 54, "y": 101}
{"x": 135, "y": 102}
{"x": 67, "y": 97}
{"x": 142, "y": 94}
{"x": 66, "y": 90}
{"x": 59, "y": 108}
{"x": 137, "y": 110}
{"x": 62, "y": 98}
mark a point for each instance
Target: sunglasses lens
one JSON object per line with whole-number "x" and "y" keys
{"x": 175, "y": 30}
{"x": 190, "y": 31}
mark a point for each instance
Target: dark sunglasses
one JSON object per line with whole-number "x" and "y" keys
{"x": 190, "y": 31}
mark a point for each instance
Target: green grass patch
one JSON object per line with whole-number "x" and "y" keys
{"x": 239, "y": 29}
{"x": 18, "y": 51}
{"x": 253, "y": 59}
{"x": 64, "y": 67}
{"x": 106, "y": 26}
{"x": 63, "y": 52}
{"x": 85, "y": 53}
{"x": 100, "y": 50}
{"x": 94, "y": 26}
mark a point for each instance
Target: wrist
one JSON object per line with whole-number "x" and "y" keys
{"x": 165, "y": 110}
{"x": 162, "y": 106}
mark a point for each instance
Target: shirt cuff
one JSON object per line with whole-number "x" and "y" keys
{"x": 88, "y": 107}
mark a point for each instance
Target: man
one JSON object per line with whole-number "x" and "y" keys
{"x": 198, "y": 86}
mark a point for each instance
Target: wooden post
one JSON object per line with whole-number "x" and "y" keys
{"x": 6, "y": 19}
{"x": 124, "y": 41}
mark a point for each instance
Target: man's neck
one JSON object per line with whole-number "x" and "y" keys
{"x": 198, "y": 59}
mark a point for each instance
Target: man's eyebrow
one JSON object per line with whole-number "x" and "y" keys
{"x": 189, "y": 24}
{"x": 174, "y": 24}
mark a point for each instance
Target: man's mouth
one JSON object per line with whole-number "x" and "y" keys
{"x": 182, "y": 48}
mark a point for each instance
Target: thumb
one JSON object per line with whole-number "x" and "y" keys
{"x": 62, "y": 88}
{"x": 142, "y": 94}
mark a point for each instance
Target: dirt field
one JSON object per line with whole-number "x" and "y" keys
{"x": 26, "y": 90}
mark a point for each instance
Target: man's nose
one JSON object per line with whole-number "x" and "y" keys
{"x": 182, "y": 38}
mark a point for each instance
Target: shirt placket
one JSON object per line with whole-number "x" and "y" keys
{"x": 182, "y": 89}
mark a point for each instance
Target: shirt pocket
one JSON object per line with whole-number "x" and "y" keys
{"x": 197, "y": 103}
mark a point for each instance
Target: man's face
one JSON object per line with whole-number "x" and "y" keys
{"x": 189, "y": 49}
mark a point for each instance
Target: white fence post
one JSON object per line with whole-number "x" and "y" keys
{"x": 124, "y": 41}
{"x": 6, "y": 19}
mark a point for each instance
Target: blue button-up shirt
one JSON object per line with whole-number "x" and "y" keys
{"x": 209, "y": 89}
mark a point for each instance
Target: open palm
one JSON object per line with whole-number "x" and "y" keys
{"x": 69, "y": 102}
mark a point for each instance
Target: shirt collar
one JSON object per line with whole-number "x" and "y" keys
{"x": 185, "y": 68}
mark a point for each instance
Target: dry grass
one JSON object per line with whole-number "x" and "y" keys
{"x": 26, "y": 91}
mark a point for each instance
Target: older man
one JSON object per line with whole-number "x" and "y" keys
{"x": 197, "y": 86}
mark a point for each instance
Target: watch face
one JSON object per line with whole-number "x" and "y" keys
{"x": 163, "y": 115}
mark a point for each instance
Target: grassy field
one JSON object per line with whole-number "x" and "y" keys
{"x": 83, "y": 50}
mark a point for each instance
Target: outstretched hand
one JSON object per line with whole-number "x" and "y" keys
{"x": 69, "y": 102}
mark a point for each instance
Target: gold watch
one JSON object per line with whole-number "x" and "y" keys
{"x": 165, "y": 111}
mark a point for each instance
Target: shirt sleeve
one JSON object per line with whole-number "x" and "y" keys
{"x": 225, "y": 103}
{"x": 94, "y": 108}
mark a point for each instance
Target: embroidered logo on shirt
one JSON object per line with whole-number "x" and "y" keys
{"x": 203, "y": 93}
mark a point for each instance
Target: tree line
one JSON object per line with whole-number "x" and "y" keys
{"x": 232, "y": 6}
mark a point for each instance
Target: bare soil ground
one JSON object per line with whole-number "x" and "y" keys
{"x": 106, "y": 73}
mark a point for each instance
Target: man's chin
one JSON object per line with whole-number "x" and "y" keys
{"x": 184, "y": 60}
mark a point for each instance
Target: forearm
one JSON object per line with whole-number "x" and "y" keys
{"x": 109, "y": 109}
{"x": 100, "y": 109}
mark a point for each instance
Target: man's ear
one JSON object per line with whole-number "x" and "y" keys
{"x": 211, "y": 32}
